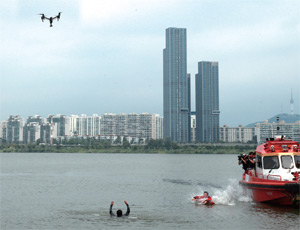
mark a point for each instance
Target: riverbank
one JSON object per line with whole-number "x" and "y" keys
{"x": 175, "y": 148}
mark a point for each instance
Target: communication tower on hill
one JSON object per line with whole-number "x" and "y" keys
{"x": 292, "y": 102}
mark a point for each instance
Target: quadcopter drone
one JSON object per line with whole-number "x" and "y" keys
{"x": 43, "y": 17}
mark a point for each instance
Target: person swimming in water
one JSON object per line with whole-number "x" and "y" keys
{"x": 205, "y": 199}
{"x": 119, "y": 212}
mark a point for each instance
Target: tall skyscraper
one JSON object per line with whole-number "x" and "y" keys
{"x": 176, "y": 108}
{"x": 207, "y": 102}
{"x": 189, "y": 106}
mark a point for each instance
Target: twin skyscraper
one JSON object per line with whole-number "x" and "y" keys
{"x": 177, "y": 93}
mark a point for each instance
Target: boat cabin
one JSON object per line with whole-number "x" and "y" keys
{"x": 278, "y": 159}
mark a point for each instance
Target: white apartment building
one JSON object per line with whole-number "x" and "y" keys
{"x": 238, "y": 134}
{"x": 73, "y": 125}
{"x": 31, "y": 132}
{"x": 267, "y": 130}
{"x": 14, "y": 129}
{"x": 193, "y": 127}
{"x": 159, "y": 123}
{"x": 60, "y": 125}
{"x": 86, "y": 125}
{"x": 260, "y": 132}
{"x": 3, "y": 129}
{"x": 108, "y": 124}
{"x": 145, "y": 125}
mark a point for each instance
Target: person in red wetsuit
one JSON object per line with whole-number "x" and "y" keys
{"x": 205, "y": 199}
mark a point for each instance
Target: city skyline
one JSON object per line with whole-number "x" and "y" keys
{"x": 138, "y": 128}
{"x": 107, "y": 57}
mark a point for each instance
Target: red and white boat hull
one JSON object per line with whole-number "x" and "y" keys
{"x": 275, "y": 192}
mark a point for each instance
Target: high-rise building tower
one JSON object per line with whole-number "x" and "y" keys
{"x": 189, "y": 106}
{"x": 175, "y": 104}
{"x": 292, "y": 102}
{"x": 207, "y": 102}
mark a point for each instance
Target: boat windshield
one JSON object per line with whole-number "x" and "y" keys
{"x": 297, "y": 161}
{"x": 287, "y": 162}
{"x": 271, "y": 162}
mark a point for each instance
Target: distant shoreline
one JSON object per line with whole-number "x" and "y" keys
{"x": 176, "y": 149}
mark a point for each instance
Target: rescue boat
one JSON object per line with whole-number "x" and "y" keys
{"x": 275, "y": 179}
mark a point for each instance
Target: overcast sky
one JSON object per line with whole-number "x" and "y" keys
{"x": 107, "y": 55}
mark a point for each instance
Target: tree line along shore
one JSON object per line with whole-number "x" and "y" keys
{"x": 152, "y": 146}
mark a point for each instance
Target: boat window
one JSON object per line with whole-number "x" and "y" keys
{"x": 271, "y": 162}
{"x": 258, "y": 161}
{"x": 297, "y": 161}
{"x": 287, "y": 162}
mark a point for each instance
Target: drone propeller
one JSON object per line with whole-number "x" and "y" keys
{"x": 42, "y": 17}
{"x": 58, "y": 16}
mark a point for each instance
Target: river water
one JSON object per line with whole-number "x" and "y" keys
{"x": 74, "y": 191}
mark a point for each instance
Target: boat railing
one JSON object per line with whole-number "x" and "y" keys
{"x": 269, "y": 176}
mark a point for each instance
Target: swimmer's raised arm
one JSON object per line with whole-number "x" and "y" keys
{"x": 128, "y": 209}
{"x": 110, "y": 209}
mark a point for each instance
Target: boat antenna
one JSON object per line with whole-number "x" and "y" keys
{"x": 278, "y": 128}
